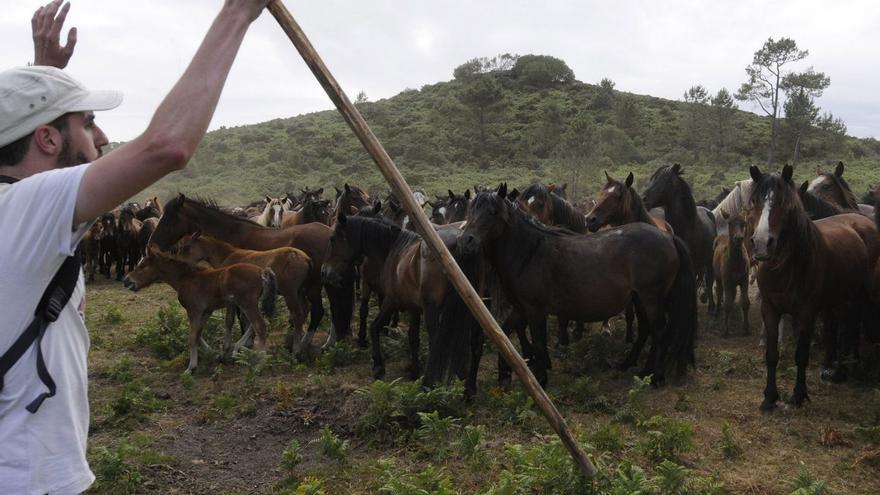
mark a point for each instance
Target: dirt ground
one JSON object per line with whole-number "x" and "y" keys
{"x": 224, "y": 432}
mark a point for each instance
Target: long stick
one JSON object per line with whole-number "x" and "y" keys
{"x": 403, "y": 192}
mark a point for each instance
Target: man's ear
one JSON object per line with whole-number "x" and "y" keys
{"x": 48, "y": 140}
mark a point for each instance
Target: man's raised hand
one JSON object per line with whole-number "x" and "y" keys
{"x": 47, "y": 24}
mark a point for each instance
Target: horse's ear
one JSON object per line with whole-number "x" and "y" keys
{"x": 180, "y": 199}
{"x": 467, "y": 194}
{"x": 724, "y": 214}
{"x": 838, "y": 170}
{"x": 787, "y": 173}
{"x": 268, "y": 199}
{"x": 347, "y": 189}
{"x": 377, "y": 206}
{"x": 513, "y": 194}
{"x": 338, "y": 191}
{"x": 629, "y": 180}
{"x": 607, "y": 177}
{"x": 502, "y": 190}
{"x": 676, "y": 168}
{"x": 755, "y": 172}
{"x": 804, "y": 187}
{"x": 451, "y": 195}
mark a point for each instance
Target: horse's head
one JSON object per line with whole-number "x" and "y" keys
{"x": 487, "y": 218}
{"x": 536, "y": 201}
{"x": 351, "y": 199}
{"x": 344, "y": 253}
{"x": 370, "y": 211}
{"x": 275, "y": 207}
{"x": 175, "y": 223}
{"x": 438, "y": 210}
{"x": 147, "y": 270}
{"x": 192, "y": 248}
{"x": 736, "y": 227}
{"x": 832, "y": 187}
{"x": 774, "y": 200}
{"x": 612, "y": 205}
{"x": 665, "y": 185}
{"x": 457, "y": 207}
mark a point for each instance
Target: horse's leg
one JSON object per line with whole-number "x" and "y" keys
{"x": 644, "y": 331}
{"x": 414, "y": 367}
{"x": 228, "y": 323}
{"x": 316, "y": 314}
{"x": 771, "y": 354}
{"x": 477, "y": 337}
{"x": 561, "y": 331}
{"x": 630, "y": 316}
{"x": 197, "y": 320}
{"x": 295, "y": 320}
{"x": 120, "y": 263}
{"x": 381, "y": 320}
{"x": 729, "y": 302}
{"x": 251, "y": 309}
{"x": 803, "y": 325}
{"x": 744, "y": 304}
{"x": 719, "y": 293}
{"x": 541, "y": 362}
{"x": 514, "y": 323}
{"x": 438, "y": 341}
{"x": 363, "y": 314}
{"x": 341, "y": 308}
{"x": 710, "y": 279}
{"x": 578, "y": 332}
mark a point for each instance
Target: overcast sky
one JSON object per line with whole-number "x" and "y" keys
{"x": 383, "y": 47}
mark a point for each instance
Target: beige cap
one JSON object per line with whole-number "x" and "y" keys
{"x": 34, "y": 96}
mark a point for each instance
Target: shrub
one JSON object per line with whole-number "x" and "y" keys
{"x": 331, "y": 446}
{"x": 339, "y": 355}
{"x": 665, "y": 437}
{"x": 806, "y": 484}
{"x": 436, "y": 434}
{"x": 133, "y": 404}
{"x": 634, "y": 409}
{"x": 431, "y": 480}
{"x": 115, "y": 471}
{"x": 393, "y": 407}
{"x": 607, "y": 439}
{"x": 254, "y": 361}
{"x": 120, "y": 372}
{"x": 112, "y": 315}
{"x": 309, "y": 486}
{"x": 729, "y": 447}
{"x": 167, "y": 336}
{"x": 515, "y": 407}
{"x": 469, "y": 444}
{"x": 291, "y": 456}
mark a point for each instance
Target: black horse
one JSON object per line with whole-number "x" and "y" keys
{"x": 694, "y": 224}
{"x": 546, "y": 270}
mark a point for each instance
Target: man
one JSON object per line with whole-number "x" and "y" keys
{"x": 50, "y": 147}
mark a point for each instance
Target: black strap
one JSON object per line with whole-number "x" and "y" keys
{"x": 53, "y": 301}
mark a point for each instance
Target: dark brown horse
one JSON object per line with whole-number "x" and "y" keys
{"x": 402, "y": 271}
{"x": 185, "y": 216}
{"x": 129, "y": 249}
{"x": 731, "y": 263}
{"x": 806, "y": 269}
{"x": 551, "y": 209}
{"x": 546, "y": 270}
{"x": 694, "y": 224}
{"x": 311, "y": 210}
{"x": 350, "y": 200}
{"x": 833, "y": 188}
{"x": 202, "y": 290}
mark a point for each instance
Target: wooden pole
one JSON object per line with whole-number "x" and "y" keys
{"x": 403, "y": 192}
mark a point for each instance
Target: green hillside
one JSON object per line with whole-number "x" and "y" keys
{"x": 522, "y": 122}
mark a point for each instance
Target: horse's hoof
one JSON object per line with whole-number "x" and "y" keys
{"x": 378, "y": 372}
{"x": 768, "y": 406}
{"x": 797, "y": 399}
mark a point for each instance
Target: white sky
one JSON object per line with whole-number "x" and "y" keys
{"x": 383, "y": 47}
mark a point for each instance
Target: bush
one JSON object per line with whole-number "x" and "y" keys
{"x": 291, "y": 456}
{"x": 331, "y": 446}
{"x": 729, "y": 447}
{"x": 309, "y": 486}
{"x": 431, "y": 480}
{"x": 807, "y": 484}
{"x": 665, "y": 438}
{"x": 133, "y": 404}
{"x": 112, "y": 315}
{"x": 437, "y": 434}
{"x": 114, "y": 470}
{"x": 393, "y": 407}
{"x": 167, "y": 336}
{"x": 120, "y": 372}
{"x": 634, "y": 409}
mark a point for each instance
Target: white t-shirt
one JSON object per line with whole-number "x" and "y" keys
{"x": 43, "y": 452}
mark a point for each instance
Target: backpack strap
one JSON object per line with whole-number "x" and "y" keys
{"x": 53, "y": 301}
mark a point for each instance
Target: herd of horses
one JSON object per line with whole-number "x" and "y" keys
{"x": 813, "y": 251}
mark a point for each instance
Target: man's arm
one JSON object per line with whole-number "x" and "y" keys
{"x": 179, "y": 123}
{"x": 46, "y": 29}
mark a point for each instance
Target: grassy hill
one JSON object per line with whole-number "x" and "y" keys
{"x": 532, "y": 130}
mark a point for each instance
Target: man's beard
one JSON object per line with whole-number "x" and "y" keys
{"x": 69, "y": 158}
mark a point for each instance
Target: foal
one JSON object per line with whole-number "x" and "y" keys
{"x": 731, "y": 266}
{"x": 291, "y": 266}
{"x": 202, "y": 290}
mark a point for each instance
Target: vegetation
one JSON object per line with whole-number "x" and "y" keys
{"x": 524, "y": 119}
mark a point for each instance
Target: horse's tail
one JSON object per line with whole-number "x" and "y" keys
{"x": 682, "y": 311}
{"x": 451, "y": 349}
{"x": 270, "y": 291}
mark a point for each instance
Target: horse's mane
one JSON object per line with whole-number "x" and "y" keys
{"x": 817, "y": 208}
{"x": 635, "y": 205}
{"x": 686, "y": 206}
{"x": 380, "y": 232}
{"x": 798, "y": 238}
{"x": 209, "y": 205}
{"x": 849, "y": 199}
{"x": 737, "y": 200}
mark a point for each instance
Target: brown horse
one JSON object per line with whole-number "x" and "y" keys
{"x": 272, "y": 215}
{"x": 127, "y": 232}
{"x": 311, "y": 210}
{"x": 203, "y": 290}
{"x": 833, "y": 188}
{"x": 619, "y": 204}
{"x": 551, "y": 209}
{"x": 545, "y": 270}
{"x": 291, "y": 266}
{"x": 185, "y": 216}
{"x": 350, "y": 200}
{"x": 91, "y": 250}
{"x": 731, "y": 265}
{"x": 806, "y": 269}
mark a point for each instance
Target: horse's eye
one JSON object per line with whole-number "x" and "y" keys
{"x": 826, "y": 186}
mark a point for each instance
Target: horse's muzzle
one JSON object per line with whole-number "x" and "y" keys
{"x": 330, "y": 277}
{"x": 129, "y": 284}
